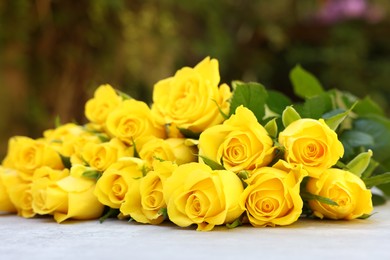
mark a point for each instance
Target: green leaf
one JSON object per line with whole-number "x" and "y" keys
{"x": 235, "y": 224}
{"x": 252, "y": 96}
{"x": 360, "y": 163}
{"x": 188, "y": 133}
{"x": 109, "y": 213}
{"x": 377, "y": 180}
{"x": 310, "y": 196}
{"x": 57, "y": 121}
{"x": 272, "y": 128}
{"x": 103, "y": 137}
{"x": 370, "y": 169}
{"x": 356, "y": 138}
{"x": 277, "y": 101}
{"x": 163, "y": 212}
{"x": 305, "y": 84}
{"x": 92, "y": 174}
{"x": 379, "y": 129}
{"x": 367, "y": 106}
{"x": 220, "y": 110}
{"x": 212, "y": 164}
{"x": 315, "y": 107}
{"x": 65, "y": 161}
{"x": 365, "y": 216}
{"x": 378, "y": 200}
{"x": 335, "y": 120}
{"x": 289, "y": 115}
{"x": 385, "y": 188}
{"x": 135, "y": 151}
{"x": 123, "y": 95}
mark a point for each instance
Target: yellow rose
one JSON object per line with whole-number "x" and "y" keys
{"x": 100, "y": 106}
{"x": 47, "y": 197}
{"x": 19, "y": 192}
{"x": 171, "y": 149}
{"x": 101, "y": 155}
{"x": 27, "y": 155}
{"x": 195, "y": 194}
{"x": 77, "y": 193}
{"x": 117, "y": 180}
{"x": 57, "y": 135}
{"x": 240, "y": 143}
{"x": 311, "y": 143}
{"x": 344, "y": 188}
{"x": 132, "y": 120}
{"x": 272, "y": 196}
{"x": 145, "y": 200}
{"x": 191, "y": 99}
{"x": 68, "y": 139}
{"x": 6, "y": 204}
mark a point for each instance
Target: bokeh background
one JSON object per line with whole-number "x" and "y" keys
{"x": 54, "y": 53}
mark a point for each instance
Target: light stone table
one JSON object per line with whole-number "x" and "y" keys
{"x": 42, "y": 238}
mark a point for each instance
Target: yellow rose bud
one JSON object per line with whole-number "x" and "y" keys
{"x": 80, "y": 201}
{"x": 311, "y": 143}
{"x": 195, "y": 194}
{"x": 101, "y": 155}
{"x": 117, "y": 180}
{"x": 272, "y": 196}
{"x": 145, "y": 200}
{"x": 192, "y": 99}
{"x": 132, "y": 120}
{"x": 19, "y": 192}
{"x": 46, "y": 195}
{"x": 6, "y": 204}
{"x": 27, "y": 155}
{"x": 100, "y": 106}
{"x": 237, "y": 145}
{"x": 344, "y": 188}
{"x": 171, "y": 149}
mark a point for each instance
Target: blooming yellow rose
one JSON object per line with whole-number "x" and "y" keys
{"x": 145, "y": 200}
{"x": 6, "y": 204}
{"x": 19, "y": 192}
{"x": 172, "y": 149}
{"x": 77, "y": 193}
{"x": 191, "y": 99}
{"x": 311, "y": 143}
{"x": 195, "y": 194}
{"x": 344, "y": 188}
{"x": 101, "y": 155}
{"x": 69, "y": 140}
{"x": 100, "y": 106}
{"x": 272, "y": 195}
{"x": 132, "y": 120}
{"x": 47, "y": 197}
{"x": 26, "y": 155}
{"x": 240, "y": 143}
{"x": 117, "y": 180}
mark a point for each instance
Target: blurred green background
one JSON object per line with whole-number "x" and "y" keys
{"x": 54, "y": 53}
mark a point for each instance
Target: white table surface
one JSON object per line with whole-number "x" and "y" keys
{"x": 42, "y": 238}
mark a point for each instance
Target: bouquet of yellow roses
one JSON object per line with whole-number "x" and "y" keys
{"x": 207, "y": 154}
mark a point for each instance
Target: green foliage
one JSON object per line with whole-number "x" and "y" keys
{"x": 304, "y": 83}
{"x": 65, "y": 161}
{"x": 360, "y": 163}
{"x": 92, "y": 174}
{"x": 251, "y": 95}
{"x": 289, "y": 115}
{"x": 212, "y": 164}
{"x": 309, "y": 196}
